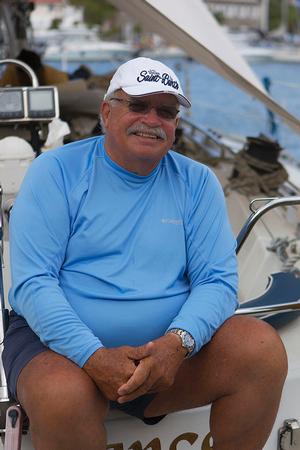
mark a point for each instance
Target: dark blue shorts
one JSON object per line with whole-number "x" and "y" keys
{"x": 21, "y": 344}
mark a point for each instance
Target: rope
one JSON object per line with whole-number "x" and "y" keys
{"x": 288, "y": 251}
{"x": 247, "y": 180}
{"x": 198, "y": 152}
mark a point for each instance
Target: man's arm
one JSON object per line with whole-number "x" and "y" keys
{"x": 39, "y": 233}
{"x": 211, "y": 264}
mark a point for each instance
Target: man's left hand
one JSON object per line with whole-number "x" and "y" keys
{"x": 157, "y": 371}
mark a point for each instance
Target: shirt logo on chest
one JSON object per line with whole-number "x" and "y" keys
{"x": 169, "y": 220}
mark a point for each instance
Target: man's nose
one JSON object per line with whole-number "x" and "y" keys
{"x": 151, "y": 116}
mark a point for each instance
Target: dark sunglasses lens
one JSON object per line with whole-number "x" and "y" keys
{"x": 167, "y": 112}
{"x": 138, "y": 107}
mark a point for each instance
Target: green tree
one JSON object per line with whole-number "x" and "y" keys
{"x": 293, "y": 26}
{"x": 55, "y": 24}
{"x": 95, "y": 12}
{"x": 219, "y": 16}
{"x": 275, "y": 14}
{"x": 276, "y": 18}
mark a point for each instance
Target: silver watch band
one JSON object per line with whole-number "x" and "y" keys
{"x": 187, "y": 340}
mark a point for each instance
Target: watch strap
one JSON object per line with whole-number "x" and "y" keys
{"x": 187, "y": 340}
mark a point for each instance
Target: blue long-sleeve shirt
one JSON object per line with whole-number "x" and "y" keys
{"x": 101, "y": 256}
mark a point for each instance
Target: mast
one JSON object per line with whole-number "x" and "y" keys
{"x": 284, "y": 16}
{"x": 15, "y": 16}
{"x": 264, "y": 16}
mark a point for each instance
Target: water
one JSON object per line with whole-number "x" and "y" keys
{"x": 217, "y": 104}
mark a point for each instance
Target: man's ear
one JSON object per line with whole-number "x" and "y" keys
{"x": 105, "y": 113}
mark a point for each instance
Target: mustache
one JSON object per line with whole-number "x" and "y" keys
{"x": 142, "y": 128}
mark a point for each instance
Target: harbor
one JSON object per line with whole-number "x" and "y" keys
{"x": 220, "y": 106}
{"x": 217, "y": 104}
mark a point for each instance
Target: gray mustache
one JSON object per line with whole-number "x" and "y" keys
{"x": 141, "y": 128}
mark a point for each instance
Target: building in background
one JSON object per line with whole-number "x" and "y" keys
{"x": 241, "y": 13}
{"x": 52, "y": 14}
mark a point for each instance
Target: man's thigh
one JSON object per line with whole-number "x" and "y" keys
{"x": 50, "y": 380}
{"x": 40, "y": 378}
{"x": 21, "y": 345}
{"x": 233, "y": 358}
{"x": 64, "y": 406}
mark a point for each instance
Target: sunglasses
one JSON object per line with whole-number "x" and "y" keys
{"x": 139, "y": 107}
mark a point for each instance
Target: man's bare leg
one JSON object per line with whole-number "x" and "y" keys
{"x": 241, "y": 372}
{"x": 65, "y": 409}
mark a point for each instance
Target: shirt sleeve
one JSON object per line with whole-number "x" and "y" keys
{"x": 211, "y": 263}
{"x": 39, "y": 233}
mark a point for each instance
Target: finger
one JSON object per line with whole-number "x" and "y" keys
{"x": 144, "y": 389}
{"x": 138, "y": 378}
{"x": 159, "y": 386}
{"x": 149, "y": 387}
{"x": 141, "y": 352}
{"x": 153, "y": 391}
{"x": 156, "y": 387}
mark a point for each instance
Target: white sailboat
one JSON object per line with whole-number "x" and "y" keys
{"x": 273, "y": 227}
{"x": 85, "y": 48}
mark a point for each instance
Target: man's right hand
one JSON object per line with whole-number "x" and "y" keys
{"x": 110, "y": 368}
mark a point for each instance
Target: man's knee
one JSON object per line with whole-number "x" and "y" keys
{"x": 54, "y": 388}
{"x": 252, "y": 347}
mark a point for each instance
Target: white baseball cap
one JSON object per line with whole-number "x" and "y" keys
{"x": 145, "y": 76}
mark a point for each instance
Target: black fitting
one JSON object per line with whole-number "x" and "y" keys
{"x": 13, "y": 415}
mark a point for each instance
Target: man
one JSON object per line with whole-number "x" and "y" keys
{"x": 123, "y": 265}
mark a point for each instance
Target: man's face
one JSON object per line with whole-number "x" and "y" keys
{"x": 139, "y": 130}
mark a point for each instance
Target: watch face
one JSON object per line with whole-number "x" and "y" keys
{"x": 188, "y": 341}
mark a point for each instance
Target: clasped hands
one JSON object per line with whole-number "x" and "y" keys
{"x": 125, "y": 373}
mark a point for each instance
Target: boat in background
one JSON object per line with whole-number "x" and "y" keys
{"x": 253, "y": 47}
{"x": 286, "y": 53}
{"x": 162, "y": 52}
{"x": 79, "y": 45}
{"x": 87, "y": 51}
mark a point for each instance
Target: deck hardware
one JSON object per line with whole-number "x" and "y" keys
{"x": 289, "y": 435}
{"x": 13, "y": 415}
{"x": 264, "y": 200}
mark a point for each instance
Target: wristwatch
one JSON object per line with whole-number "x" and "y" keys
{"x": 187, "y": 340}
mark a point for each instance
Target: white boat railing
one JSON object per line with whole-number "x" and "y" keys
{"x": 24, "y": 66}
{"x": 269, "y": 309}
{"x": 255, "y": 216}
